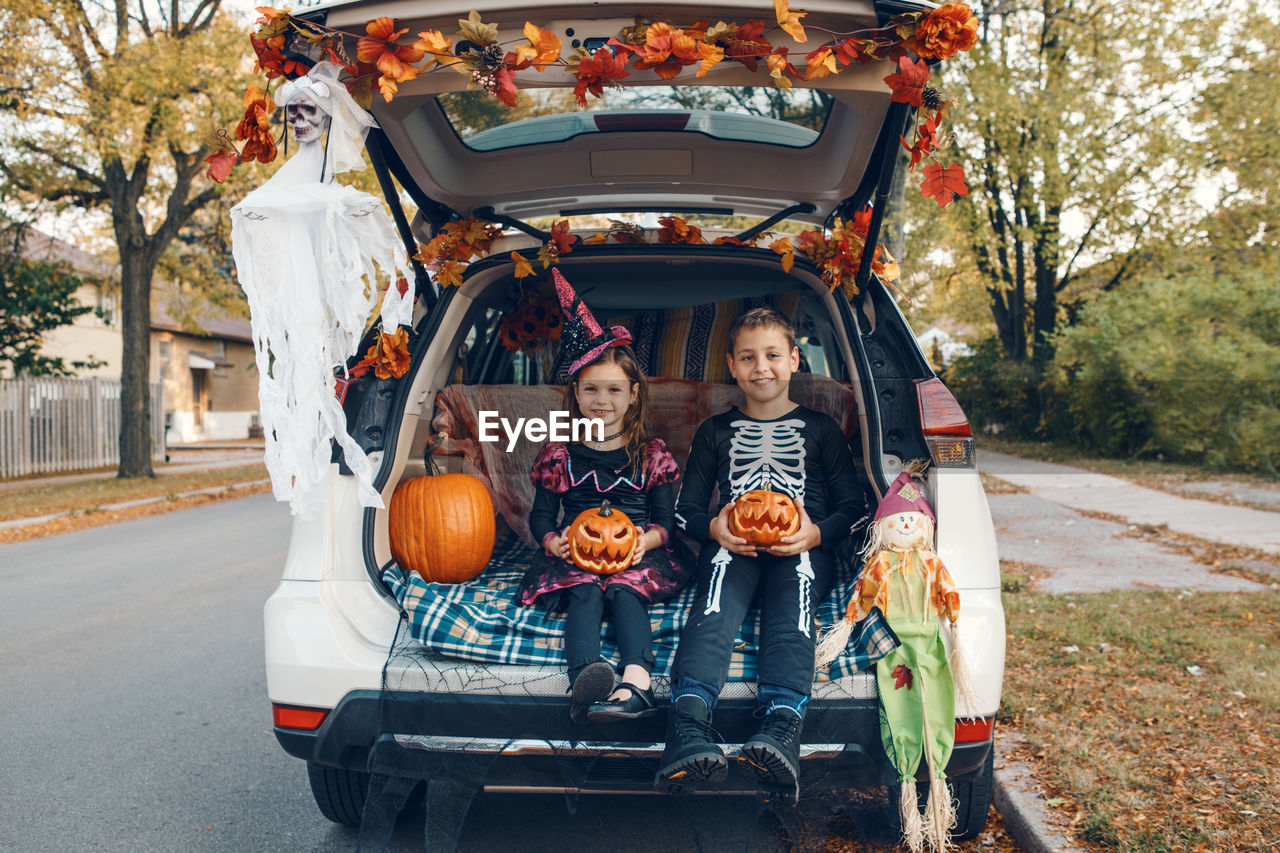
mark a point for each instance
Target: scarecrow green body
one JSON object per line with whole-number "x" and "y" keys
{"x": 920, "y": 716}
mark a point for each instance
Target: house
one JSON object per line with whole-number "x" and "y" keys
{"x": 940, "y": 347}
{"x": 209, "y": 376}
{"x": 204, "y": 364}
{"x": 91, "y": 337}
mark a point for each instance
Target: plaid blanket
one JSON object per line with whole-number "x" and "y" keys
{"x": 481, "y": 621}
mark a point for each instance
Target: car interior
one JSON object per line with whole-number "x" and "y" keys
{"x": 679, "y": 314}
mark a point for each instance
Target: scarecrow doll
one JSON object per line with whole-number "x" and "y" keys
{"x": 917, "y": 681}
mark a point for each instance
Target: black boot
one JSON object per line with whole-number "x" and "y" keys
{"x": 773, "y": 755}
{"x": 692, "y": 755}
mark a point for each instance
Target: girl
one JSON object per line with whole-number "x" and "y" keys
{"x": 635, "y": 473}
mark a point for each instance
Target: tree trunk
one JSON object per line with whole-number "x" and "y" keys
{"x": 1044, "y": 317}
{"x": 135, "y": 368}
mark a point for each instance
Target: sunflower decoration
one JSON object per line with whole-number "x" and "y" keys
{"x": 534, "y": 323}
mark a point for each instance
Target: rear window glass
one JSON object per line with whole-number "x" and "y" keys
{"x": 789, "y": 117}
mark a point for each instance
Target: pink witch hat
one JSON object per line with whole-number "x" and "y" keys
{"x": 582, "y": 339}
{"x": 904, "y": 496}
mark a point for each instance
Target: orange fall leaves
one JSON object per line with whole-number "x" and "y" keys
{"x": 659, "y": 46}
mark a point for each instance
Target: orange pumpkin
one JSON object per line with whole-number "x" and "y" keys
{"x": 442, "y": 527}
{"x": 602, "y": 540}
{"x": 763, "y": 517}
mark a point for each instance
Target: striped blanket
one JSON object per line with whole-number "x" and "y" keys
{"x": 481, "y": 621}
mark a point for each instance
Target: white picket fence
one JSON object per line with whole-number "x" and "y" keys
{"x": 51, "y": 424}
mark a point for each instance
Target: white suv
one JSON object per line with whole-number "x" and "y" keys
{"x": 366, "y": 683}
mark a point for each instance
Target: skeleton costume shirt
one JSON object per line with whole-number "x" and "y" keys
{"x": 804, "y": 455}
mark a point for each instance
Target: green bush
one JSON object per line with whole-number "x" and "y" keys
{"x": 998, "y": 394}
{"x": 1186, "y": 366}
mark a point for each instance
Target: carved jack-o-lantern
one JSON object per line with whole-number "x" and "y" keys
{"x": 762, "y": 517}
{"x": 602, "y": 540}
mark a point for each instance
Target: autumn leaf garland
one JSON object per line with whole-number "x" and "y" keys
{"x": 382, "y": 62}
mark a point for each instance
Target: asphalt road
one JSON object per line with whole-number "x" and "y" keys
{"x": 133, "y": 711}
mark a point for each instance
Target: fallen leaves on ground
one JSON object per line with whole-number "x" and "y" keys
{"x": 1139, "y": 751}
{"x": 99, "y": 518}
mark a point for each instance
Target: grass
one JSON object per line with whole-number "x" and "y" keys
{"x": 87, "y": 495}
{"x": 1162, "y": 730}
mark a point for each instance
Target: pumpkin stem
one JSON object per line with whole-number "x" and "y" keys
{"x": 605, "y": 509}
{"x": 427, "y": 455}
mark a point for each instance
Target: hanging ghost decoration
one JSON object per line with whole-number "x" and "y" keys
{"x": 308, "y": 253}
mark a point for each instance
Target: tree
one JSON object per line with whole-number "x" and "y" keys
{"x": 35, "y": 297}
{"x": 1182, "y": 365}
{"x": 1240, "y": 113}
{"x": 1074, "y": 123}
{"x": 106, "y": 106}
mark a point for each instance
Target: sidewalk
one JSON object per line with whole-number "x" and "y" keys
{"x": 185, "y": 459}
{"x": 1048, "y": 528}
{"x": 1081, "y": 489}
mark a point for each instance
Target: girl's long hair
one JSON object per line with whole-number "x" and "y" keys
{"x": 634, "y": 432}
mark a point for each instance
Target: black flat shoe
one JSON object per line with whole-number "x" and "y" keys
{"x": 638, "y": 705}
{"x": 594, "y": 683}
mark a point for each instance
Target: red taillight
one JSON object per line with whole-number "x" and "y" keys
{"x": 940, "y": 414}
{"x": 974, "y": 731}
{"x": 289, "y": 717}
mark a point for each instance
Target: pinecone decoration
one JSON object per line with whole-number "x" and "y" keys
{"x": 931, "y": 98}
{"x": 491, "y": 57}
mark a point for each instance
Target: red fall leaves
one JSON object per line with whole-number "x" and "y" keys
{"x": 383, "y": 62}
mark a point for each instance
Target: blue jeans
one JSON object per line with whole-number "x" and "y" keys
{"x": 768, "y": 696}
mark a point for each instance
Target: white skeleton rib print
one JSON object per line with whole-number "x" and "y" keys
{"x": 767, "y": 452}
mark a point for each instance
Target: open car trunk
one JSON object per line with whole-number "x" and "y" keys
{"x": 728, "y": 142}
{"x": 680, "y": 319}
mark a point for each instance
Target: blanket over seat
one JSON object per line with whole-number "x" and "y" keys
{"x": 482, "y": 621}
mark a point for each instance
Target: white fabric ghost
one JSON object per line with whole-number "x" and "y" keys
{"x": 307, "y": 252}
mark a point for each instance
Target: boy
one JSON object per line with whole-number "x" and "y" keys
{"x": 803, "y": 454}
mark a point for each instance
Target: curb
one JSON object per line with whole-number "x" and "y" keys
{"x": 1026, "y": 816}
{"x": 212, "y": 490}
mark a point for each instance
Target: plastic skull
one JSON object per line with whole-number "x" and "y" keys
{"x": 309, "y": 122}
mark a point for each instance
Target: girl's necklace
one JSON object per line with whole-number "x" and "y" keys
{"x": 602, "y": 442}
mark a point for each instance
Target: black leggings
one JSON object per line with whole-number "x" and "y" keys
{"x": 586, "y": 606}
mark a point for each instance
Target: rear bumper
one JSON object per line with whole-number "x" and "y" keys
{"x": 414, "y": 734}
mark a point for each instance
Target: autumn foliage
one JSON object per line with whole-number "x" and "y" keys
{"x": 383, "y": 61}
{"x": 944, "y": 32}
{"x": 389, "y": 355}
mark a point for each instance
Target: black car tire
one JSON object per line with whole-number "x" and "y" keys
{"x": 973, "y": 799}
{"x": 339, "y": 794}
{"x": 972, "y": 794}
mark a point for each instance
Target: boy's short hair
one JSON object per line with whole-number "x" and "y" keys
{"x": 760, "y": 317}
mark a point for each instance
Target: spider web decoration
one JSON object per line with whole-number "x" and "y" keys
{"x": 441, "y": 671}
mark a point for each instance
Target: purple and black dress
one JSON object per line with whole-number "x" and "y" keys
{"x": 571, "y": 478}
